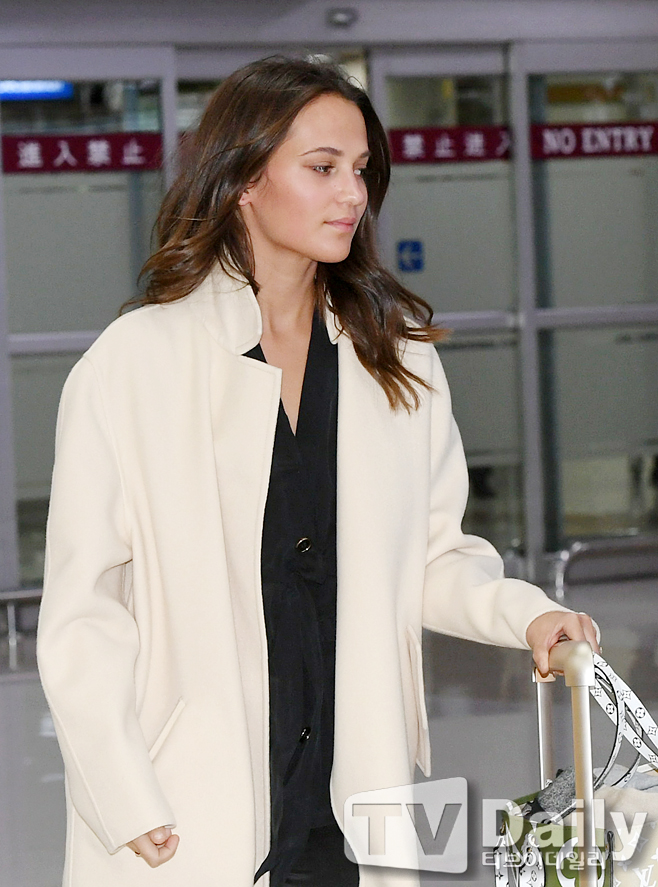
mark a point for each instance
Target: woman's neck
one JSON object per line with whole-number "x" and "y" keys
{"x": 287, "y": 302}
{"x": 286, "y": 297}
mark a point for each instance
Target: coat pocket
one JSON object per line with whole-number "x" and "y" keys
{"x": 166, "y": 729}
{"x": 423, "y": 754}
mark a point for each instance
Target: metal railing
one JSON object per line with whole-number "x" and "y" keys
{"x": 11, "y": 600}
{"x": 629, "y": 547}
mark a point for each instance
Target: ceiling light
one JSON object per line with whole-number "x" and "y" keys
{"x": 342, "y": 16}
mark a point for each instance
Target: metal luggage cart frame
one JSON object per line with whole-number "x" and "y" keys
{"x": 575, "y": 661}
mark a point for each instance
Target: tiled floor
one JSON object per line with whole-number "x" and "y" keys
{"x": 482, "y": 716}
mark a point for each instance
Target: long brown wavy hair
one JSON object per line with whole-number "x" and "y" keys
{"x": 200, "y": 222}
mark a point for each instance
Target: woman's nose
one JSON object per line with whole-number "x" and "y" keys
{"x": 352, "y": 189}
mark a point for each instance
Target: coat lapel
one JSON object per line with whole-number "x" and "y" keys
{"x": 244, "y": 411}
{"x": 379, "y": 497}
{"x": 244, "y": 404}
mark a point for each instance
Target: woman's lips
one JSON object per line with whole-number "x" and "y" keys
{"x": 343, "y": 224}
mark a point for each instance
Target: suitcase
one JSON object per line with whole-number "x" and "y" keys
{"x": 540, "y": 844}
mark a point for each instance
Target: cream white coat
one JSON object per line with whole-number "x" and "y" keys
{"x": 152, "y": 645}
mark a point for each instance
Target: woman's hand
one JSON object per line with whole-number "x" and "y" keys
{"x": 155, "y": 847}
{"x": 546, "y": 630}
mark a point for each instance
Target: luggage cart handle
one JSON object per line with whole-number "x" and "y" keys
{"x": 575, "y": 661}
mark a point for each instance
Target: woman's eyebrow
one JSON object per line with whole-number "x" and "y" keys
{"x": 336, "y": 152}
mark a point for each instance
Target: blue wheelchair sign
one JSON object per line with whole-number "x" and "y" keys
{"x": 411, "y": 255}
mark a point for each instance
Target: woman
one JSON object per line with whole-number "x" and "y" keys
{"x": 256, "y": 508}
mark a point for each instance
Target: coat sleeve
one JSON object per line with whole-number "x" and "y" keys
{"x": 466, "y": 594}
{"x": 88, "y": 640}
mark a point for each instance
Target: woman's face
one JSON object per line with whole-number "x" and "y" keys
{"x": 312, "y": 195}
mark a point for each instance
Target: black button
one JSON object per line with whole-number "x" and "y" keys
{"x": 305, "y": 734}
{"x": 303, "y": 545}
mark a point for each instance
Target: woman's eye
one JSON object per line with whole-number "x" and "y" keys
{"x": 322, "y": 167}
{"x": 361, "y": 171}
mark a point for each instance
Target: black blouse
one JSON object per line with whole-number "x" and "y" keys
{"x": 298, "y": 569}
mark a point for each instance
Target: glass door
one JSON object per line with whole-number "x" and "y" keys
{"x": 449, "y": 235}
{"x": 86, "y": 149}
{"x": 522, "y": 208}
{"x": 592, "y": 124}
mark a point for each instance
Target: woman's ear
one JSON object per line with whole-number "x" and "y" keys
{"x": 245, "y": 197}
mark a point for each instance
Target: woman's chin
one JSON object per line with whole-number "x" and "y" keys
{"x": 332, "y": 256}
